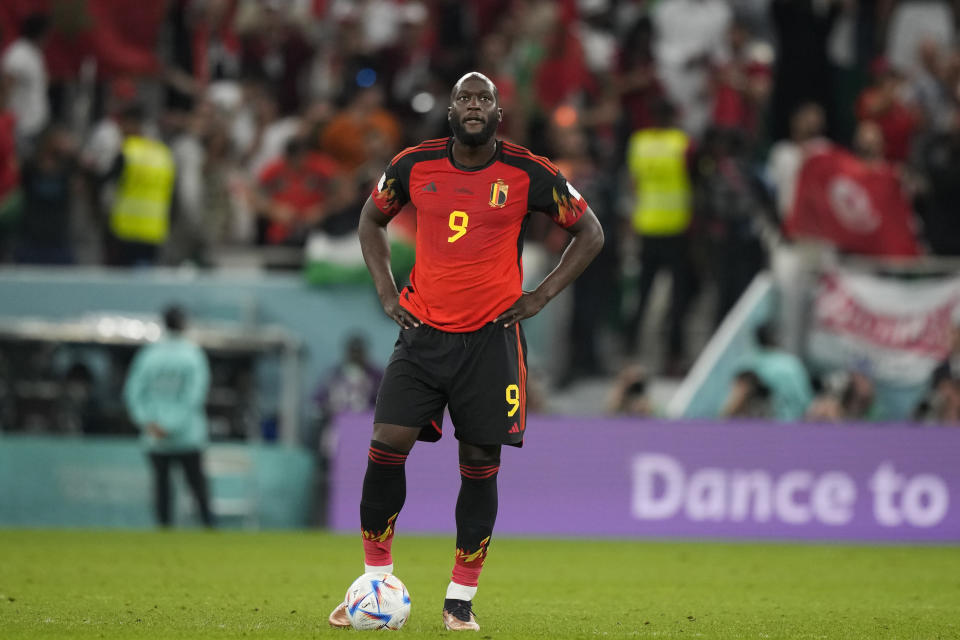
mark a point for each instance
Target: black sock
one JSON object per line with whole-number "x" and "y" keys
{"x": 476, "y": 515}
{"x": 384, "y": 492}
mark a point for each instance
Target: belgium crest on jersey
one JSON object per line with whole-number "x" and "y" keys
{"x": 498, "y": 193}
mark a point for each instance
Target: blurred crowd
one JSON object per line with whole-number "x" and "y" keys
{"x": 685, "y": 124}
{"x": 772, "y": 384}
{"x": 776, "y": 384}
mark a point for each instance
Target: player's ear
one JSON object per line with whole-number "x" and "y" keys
{"x": 499, "y": 114}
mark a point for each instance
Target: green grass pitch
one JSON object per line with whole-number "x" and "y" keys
{"x": 197, "y": 585}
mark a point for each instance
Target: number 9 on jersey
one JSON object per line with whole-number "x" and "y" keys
{"x": 458, "y": 224}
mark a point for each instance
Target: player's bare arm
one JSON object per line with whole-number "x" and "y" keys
{"x": 586, "y": 244}
{"x": 376, "y": 253}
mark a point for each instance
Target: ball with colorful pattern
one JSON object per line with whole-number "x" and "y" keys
{"x": 378, "y": 601}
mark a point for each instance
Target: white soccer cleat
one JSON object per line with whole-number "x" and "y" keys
{"x": 458, "y": 616}
{"x": 338, "y": 617}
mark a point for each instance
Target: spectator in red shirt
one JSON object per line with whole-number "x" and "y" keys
{"x": 562, "y": 74}
{"x": 742, "y": 84}
{"x": 883, "y": 103}
{"x": 9, "y": 171}
{"x": 295, "y": 192}
{"x": 10, "y": 195}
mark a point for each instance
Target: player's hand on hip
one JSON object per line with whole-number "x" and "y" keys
{"x": 527, "y": 305}
{"x": 398, "y": 314}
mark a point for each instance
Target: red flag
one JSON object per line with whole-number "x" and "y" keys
{"x": 859, "y": 208}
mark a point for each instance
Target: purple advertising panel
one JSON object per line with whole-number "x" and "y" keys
{"x": 619, "y": 477}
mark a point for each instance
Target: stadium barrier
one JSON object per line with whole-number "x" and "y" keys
{"x": 322, "y": 318}
{"x": 105, "y": 482}
{"x": 625, "y": 478}
{"x": 705, "y": 389}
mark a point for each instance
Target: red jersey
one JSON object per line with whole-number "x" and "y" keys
{"x": 470, "y": 225}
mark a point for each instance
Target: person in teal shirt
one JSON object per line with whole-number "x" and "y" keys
{"x": 771, "y": 383}
{"x": 784, "y": 375}
{"x": 165, "y": 393}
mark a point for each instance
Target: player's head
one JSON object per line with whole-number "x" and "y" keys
{"x": 474, "y": 113}
{"x": 175, "y": 318}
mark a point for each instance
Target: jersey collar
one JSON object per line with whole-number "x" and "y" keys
{"x": 458, "y": 167}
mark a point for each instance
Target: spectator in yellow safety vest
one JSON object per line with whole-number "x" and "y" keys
{"x": 657, "y": 158}
{"x": 143, "y": 172}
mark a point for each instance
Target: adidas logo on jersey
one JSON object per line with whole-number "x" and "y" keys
{"x": 432, "y": 188}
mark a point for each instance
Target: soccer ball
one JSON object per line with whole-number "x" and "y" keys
{"x": 377, "y": 601}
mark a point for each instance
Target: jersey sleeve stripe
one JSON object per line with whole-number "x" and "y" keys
{"x": 524, "y": 151}
{"x": 430, "y": 145}
{"x": 521, "y": 149}
{"x": 538, "y": 159}
{"x": 410, "y": 150}
{"x": 541, "y": 159}
{"x": 512, "y": 145}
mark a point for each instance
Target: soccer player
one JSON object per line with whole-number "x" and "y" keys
{"x": 460, "y": 343}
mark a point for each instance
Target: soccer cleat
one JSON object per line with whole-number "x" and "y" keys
{"x": 338, "y": 617}
{"x": 458, "y": 615}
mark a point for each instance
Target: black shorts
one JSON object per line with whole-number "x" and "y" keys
{"x": 481, "y": 376}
